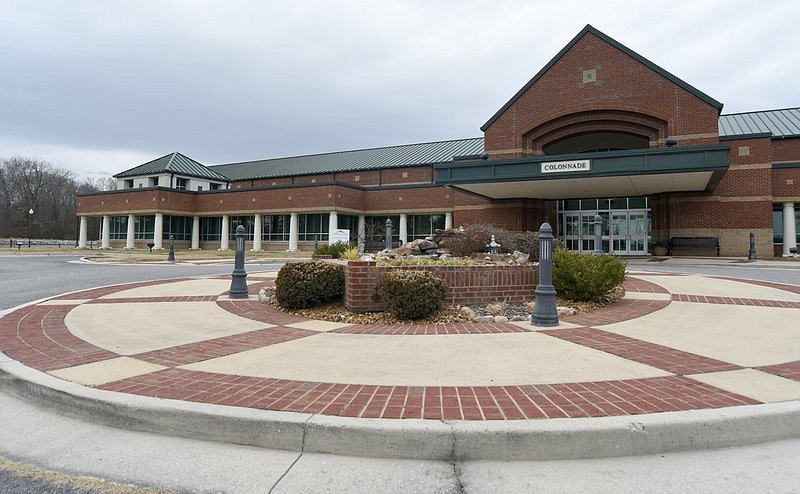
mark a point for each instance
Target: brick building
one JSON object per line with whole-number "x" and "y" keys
{"x": 600, "y": 130}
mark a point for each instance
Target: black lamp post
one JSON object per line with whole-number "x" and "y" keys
{"x": 30, "y": 220}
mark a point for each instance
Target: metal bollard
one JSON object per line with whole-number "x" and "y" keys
{"x": 545, "y": 312}
{"x": 239, "y": 276}
{"x": 388, "y": 234}
{"x": 751, "y": 256}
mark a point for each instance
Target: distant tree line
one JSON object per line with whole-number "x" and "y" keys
{"x": 31, "y": 184}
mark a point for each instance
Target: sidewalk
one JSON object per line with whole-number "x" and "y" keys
{"x": 683, "y": 362}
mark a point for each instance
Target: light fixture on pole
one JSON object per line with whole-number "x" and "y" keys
{"x": 30, "y": 219}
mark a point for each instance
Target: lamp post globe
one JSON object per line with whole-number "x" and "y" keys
{"x": 30, "y": 219}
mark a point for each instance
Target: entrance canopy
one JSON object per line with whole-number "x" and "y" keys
{"x": 636, "y": 172}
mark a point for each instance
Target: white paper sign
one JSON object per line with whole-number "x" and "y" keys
{"x": 338, "y": 235}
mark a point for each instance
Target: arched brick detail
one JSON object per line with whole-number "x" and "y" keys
{"x": 586, "y": 122}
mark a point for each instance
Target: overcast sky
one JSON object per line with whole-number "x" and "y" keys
{"x": 98, "y": 87}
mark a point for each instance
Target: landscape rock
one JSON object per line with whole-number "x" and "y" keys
{"x": 520, "y": 257}
{"x": 566, "y": 311}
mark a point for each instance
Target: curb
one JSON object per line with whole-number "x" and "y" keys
{"x": 524, "y": 440}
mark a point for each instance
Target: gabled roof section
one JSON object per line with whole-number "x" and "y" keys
{"x": 174, "y": 163}
{"x": 589, "y": 29}
{"x": 779, "y": 123}
{"x": 361, "y": 159}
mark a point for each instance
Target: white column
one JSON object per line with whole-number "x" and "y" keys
{"x": 294, "y": 232}
{"x": 448, "y": 220}
{"x": 333, "y": 223}
{"x": 105, "y": 243}
{"x": 83, "y": 233}
{"x": 223, "y": 239}
{"x": 362, "y": 232}
{"x": 403, "y": 228}
{"x": 789, "y": 230}
{"x": 196, "y": 233}
{"x": 158, "y": 232}
{"x": 131, "y": 232}
{"x": 256, "y": 232}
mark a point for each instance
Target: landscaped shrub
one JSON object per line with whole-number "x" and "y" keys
{"x": 412, "y": 294}
{"x": 300, "y": 285}
{"x": 350, "y": 254}
{"x": 586, "y": 277}
{"x": 476, "y": 238}
{"x": 528, "y": 242}
{"x": 334, "y": 250}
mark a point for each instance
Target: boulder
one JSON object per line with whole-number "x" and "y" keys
{"x": 423, "y": 245}
{"x": 520, "y": 257}
{"x": 566, "y": 311}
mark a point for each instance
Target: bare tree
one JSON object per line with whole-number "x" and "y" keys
{"x": 31, "y": 184}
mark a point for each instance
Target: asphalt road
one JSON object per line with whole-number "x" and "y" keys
{"x": 789, "y": 273}
{"x": 27, "y": 278}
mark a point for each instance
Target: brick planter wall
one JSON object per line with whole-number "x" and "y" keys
{"x": 466, "y": 284}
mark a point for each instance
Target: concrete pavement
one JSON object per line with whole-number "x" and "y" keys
{"x": 682, "y": 363}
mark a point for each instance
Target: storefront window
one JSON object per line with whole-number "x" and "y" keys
{"x": 275, "y": 227}
{"x": 376, "y": 231}
{"x": 145, "y": 227}
{"x": 246, "y": 221}
{"x": 179, "y": 226}
{"x": 313, "y": 227}
{"x": 423, "y": 225}
{"x": 210, "y": 228}
{"x": 118, "y": 228}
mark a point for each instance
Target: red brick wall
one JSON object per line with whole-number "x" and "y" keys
{"x": 786, "y": 149}
{"x": 466, "y": 284}
{"x": 786, "y": 184}
{"x": 364, "y": 178}
{"x": 138, "y": 201}
{"x": 625, "y": 85}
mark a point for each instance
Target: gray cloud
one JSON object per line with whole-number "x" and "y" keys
{"x": 237, "y": 80}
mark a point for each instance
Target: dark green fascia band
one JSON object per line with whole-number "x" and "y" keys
{"x": 612, "y": 163}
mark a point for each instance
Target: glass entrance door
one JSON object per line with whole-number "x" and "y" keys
{"x": 637, "y": 233}
{"x": 625, "y": 224}
{"x": 620, "y": 240}
{"x": 572, "y": 231}
{"x": 629, "y": 233}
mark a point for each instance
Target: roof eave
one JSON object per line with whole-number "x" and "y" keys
{"x": 589, "y": 29}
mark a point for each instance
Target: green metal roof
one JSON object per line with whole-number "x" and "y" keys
{"x": 779, "y": 123}
{"x": 174, "y": 163}
{"x": 361, "y": 159}
{"x": 589, "y": 29}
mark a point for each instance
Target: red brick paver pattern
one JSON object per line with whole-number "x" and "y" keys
{"x": 588, "y": 399}
{"x": 107, "y": 290}
{"x": 652, "y": 354}
{"x": 753, "y": 302}
{"x": 220, "y": 347}
{"x": 789, "y": 370}
{"x": 623, "y": 310}
{"x": 174, "y": 298}
{"x": 37, "y": 336}
{"x": 432, "y": 329}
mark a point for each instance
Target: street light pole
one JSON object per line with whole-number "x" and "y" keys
{"x": 30, "y": 219}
